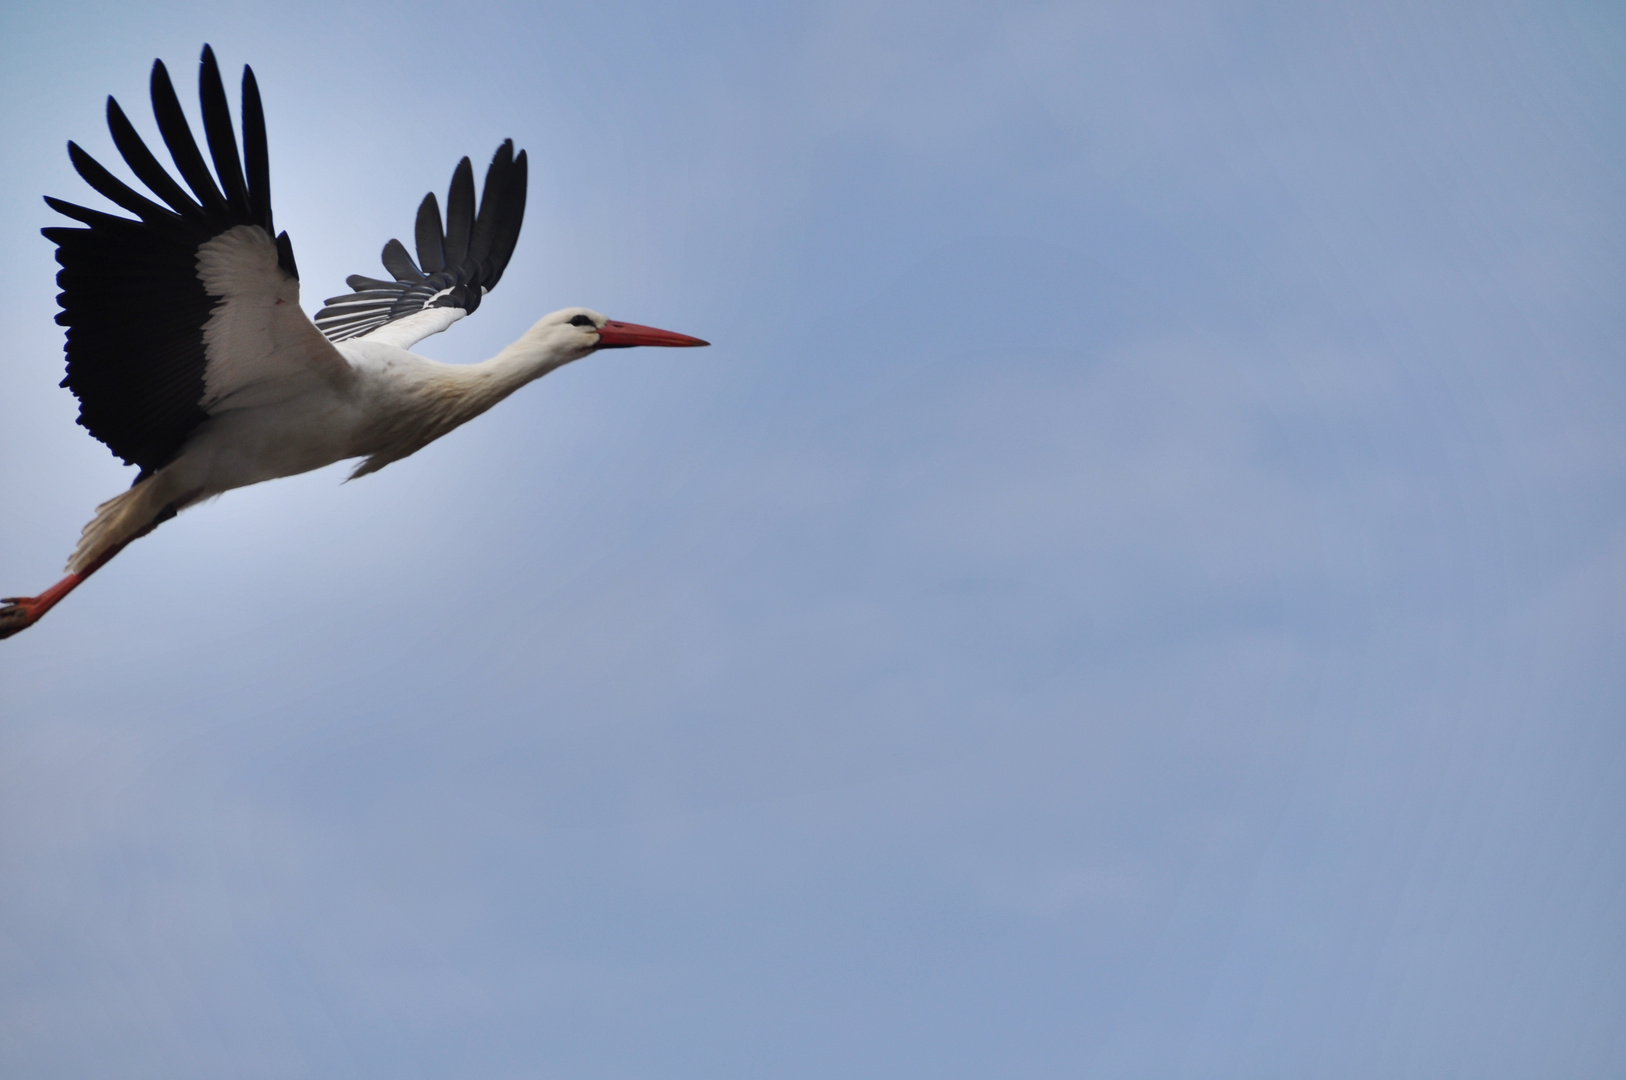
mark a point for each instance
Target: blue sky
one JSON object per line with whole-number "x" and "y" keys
{"x": 1136, "y": 588}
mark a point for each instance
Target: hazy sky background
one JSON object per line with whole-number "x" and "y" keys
{"x": 1137, "y": 587}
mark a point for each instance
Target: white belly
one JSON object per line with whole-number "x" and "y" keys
{"x": 395, "y": 404}
{"x": 235, "y": 449}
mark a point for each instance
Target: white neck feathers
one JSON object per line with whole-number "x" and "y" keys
{"x": 445, "y": 396}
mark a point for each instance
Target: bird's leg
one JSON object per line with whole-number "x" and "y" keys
{"x": 21, "y": 612}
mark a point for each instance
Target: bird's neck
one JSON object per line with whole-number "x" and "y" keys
{"x": 436, "y": 397}
{"x": 482, "y": 385}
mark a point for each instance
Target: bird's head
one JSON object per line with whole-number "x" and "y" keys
{"x": 581, "y": 330}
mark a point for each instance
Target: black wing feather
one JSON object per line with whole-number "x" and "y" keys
{"x": 493, "y": 193}
{"x": 508, "y": 222}
{"x": 115, "y": 189}
{"x": 131, "y": 297}
{"x": 144, "y": 165}
{"x": 430, "y": 240}
{"x": 285, "y": 254}
{"x": 183, "y": 149}
{"x": 459, "y": 213}
{"x": 399, "y": 263}
{"x": 222, "y": 143}
{"x": 254, "y": 155}
{"x": 460, "y": 262}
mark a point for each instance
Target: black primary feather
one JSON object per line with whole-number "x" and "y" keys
{"x": 256, "y": 161}
{"x": 428, "y": 236}
{"x": 511, "y": 215}
{"x": 144, "y": 165}
{"x": 460, "y": 261}
{"x": 183, "y": 149}
{"x": 460, "y": 214}
{"x": 399, "y": 263}
{"x": 131, "y": 297}
{"x": 494, "y": 194}
{"x": 114, "y": 189}
{"x": 222, "y": 143}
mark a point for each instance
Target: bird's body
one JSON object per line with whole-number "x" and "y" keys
{"x": 384, "y": 404}
{"x": 193, "y": 359}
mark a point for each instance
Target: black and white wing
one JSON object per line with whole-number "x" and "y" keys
{"x": 459, "y": 263}
{"x": 193, "y": 307}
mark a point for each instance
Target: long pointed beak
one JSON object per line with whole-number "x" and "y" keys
{"x": 624, "y": 335}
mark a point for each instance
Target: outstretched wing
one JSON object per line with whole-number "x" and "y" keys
{"x": 193, "y": 307}
{"x": 460, "y": 263}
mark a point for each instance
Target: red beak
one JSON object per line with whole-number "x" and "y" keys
{"x": 624, "y": 335}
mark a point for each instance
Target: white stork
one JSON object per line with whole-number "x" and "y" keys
{"x": 190, "y": 355}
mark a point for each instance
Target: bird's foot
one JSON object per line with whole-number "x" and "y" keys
{"x": 19, "y": 613}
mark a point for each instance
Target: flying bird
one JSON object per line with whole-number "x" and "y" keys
{"x": 192, "y": 359}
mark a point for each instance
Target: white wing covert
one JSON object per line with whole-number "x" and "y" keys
{"x": 261, "y": 346}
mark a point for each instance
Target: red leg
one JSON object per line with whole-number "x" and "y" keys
{"x": 21, "y": 612}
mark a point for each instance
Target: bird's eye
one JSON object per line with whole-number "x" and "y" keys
{"x": 580, "y": 320}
